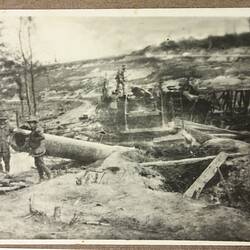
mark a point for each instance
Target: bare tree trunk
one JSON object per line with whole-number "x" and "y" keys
{"x": 20, "y": 92}
{"x": 25, "y": 68}
{"x": 32, "y": 74}
{"x": 59, "y": 146}
{"x": 22, "y": 108}
{"x": 27, "y": 88}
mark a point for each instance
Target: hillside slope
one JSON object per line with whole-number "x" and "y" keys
{"x": 205, "y": 59}
{"x": 199, "y": 60}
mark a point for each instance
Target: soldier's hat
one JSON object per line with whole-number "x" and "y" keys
{"x": 3, "y": 116}
{"x": 33, "y": 119}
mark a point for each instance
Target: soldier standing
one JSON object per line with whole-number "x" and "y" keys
{"x": 36, "y": 142}
{"x": 120, "y": 80}
{"x": 5, "y": 131}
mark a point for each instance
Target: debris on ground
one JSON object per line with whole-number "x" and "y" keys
{"x": 217, "y": 145}
{"x": 11, "y": 183}
{"x": 150, "y": 175}
{"x": 237, "y": 192}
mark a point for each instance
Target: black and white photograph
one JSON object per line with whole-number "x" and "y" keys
{"x": 125, "y": 125}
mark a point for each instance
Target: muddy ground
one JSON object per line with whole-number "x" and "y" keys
{"x": 119, "y": 199}
{"x": 115, "y": 200}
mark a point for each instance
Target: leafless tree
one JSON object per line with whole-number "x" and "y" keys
{"x": 19, "y": 83}
{"x": 25, "y": 68}
{"x": 31, "y": 68}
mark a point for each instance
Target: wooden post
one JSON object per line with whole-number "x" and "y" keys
{"x": 182, "y": 111}
{"x": 125, "y": 112}
{"x": 162, "y": 111}
{"x": 246, "y": 101}
{"x": 162, "y": 105}
{"x": 17, "y": 118}
{"x": 235, "y": 100}
{"x": 240, "y": 100}
{"x": 196, "y": 188}
{"x": 231, "y": 101}
{"x": 221, "y": 100}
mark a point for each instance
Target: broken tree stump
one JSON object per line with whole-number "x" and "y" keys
{"x": 196, "y": 188}
{"x": 215, "y": 130}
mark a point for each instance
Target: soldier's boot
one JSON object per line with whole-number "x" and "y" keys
{"x": 42, "y": 166}
{"x": 47, "y": 172}
{"x": 39, "y": 169}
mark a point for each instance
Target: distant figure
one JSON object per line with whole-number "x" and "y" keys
{"x": 120, "y": 80}
{"x": 5, "y": 132}
{"x": 104, "y": 91}
{"x": 36, "y": 142}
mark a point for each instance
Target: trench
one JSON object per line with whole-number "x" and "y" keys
{"x": 175, "y": 179}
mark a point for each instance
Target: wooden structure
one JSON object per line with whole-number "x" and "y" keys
{"x": 233, "y": 101}
{"x": 220, "y": 104}
{"x": 153, "y": 108}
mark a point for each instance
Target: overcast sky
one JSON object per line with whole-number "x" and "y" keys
{"x": 69, "y": 38}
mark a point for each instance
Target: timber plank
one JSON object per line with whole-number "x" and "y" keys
{"x": 196, "y": 188}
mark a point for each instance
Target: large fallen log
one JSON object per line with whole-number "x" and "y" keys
{"x": 226, "y": 135}
{"x": 188, "y": 161}
{"x": 213, "y": 129}
{"x": 177, "y": 163}
{"x": 204, "y": 127}
{"x": 59, "y": 146}
{"x": 11, "y": 188}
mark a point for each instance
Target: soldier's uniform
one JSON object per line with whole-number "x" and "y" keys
{"x": 120, "y": 80}
{"x": 36, "y": 142}
{"x": 5, "y": 131}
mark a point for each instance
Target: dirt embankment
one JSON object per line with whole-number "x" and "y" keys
{"x": 116, "y": 199}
